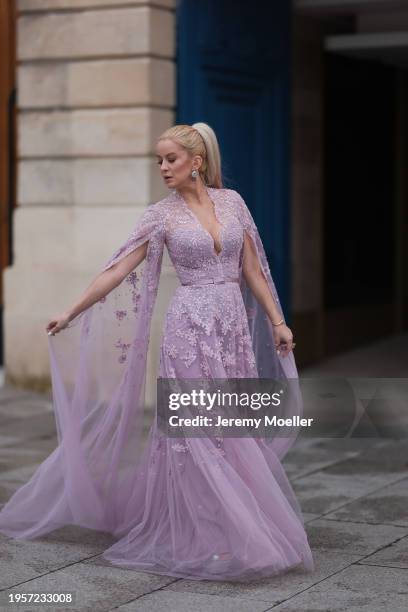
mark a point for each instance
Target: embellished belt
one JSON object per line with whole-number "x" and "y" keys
{"x": 211, "y": 281}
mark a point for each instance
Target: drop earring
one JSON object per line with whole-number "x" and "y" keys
{"x": 194, "y": 174}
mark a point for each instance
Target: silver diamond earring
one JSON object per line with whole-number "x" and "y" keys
{"x": 194, "y": 174}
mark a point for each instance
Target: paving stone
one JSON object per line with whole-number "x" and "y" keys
{"x": 310, "y": 516}
{"x": 25, "y": 407}
{"x": 322, "y": 492}
{"x": 304, "y": 461}
{"x": 11, "y": 459}
{"x": 393, "y": 459}
{"x": 359, "y": 485}
{"x": 96, "y": 588}
{"x": 308, "y": 456}
{"x": 394, "y": 555}
{"x": 271, "y": 590}
{"x": 357, "y": 444}
{"x": 46, "y": 444}
{"x": 23, "y": 560}
{"x": 387, "y": 505}
{"x": 9, "y": 393}
{"x": 19, "y": 475}
{"x": 356, "y": 589}
{"x": 366, "y": 361}
{"x": 165, "y": 601}
{"x": 6, "y": 491}
{"x": 8, "y": 440}
{"x": 344, "y": 481}
{"x": 30, "y": 427}
{"x": 348, "y": 537}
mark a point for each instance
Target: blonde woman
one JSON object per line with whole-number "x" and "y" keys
{"x": 212, "y": 507}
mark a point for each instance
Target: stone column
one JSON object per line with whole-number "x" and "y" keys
{"x": 307, "y": 176}
{"x": 95, "y": 88}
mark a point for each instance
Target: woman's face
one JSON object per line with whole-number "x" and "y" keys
{"x": 175, "y": 163}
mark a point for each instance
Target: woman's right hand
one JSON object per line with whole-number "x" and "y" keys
{"x": 57, "y": 323}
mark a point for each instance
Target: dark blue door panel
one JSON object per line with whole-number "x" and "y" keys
{"x": 234, "y": 73}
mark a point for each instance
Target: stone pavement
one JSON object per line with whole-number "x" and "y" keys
{"x": 354, "y": 495}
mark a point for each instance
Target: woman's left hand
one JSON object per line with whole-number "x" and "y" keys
{"x": 283, "y": 339}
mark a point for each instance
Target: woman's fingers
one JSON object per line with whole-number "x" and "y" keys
{"x": 52, "y": 328}
{"x": 57, "y": 324}
{"x": 285, "y": 347}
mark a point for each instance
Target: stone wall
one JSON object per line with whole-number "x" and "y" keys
{"x": 96, "y": 86}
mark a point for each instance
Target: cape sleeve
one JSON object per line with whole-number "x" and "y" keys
{"x": 270, "y": 365}
{"x": 251, "y": 229}
{"x": 98, "y": 368}
{"x": 150, "y": 227}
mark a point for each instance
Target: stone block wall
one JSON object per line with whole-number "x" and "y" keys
{"x": 95, "y": 87}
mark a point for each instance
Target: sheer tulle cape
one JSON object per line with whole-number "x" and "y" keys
{"x": 98, "y": 370}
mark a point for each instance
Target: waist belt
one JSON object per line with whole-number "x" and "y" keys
{"x": 211, "y": 281}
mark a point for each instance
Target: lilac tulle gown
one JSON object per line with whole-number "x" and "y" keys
{"x": 197, "y": 508}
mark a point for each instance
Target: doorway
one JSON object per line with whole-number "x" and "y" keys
{"x": 7, "y": 144}
{"x": 359, "y": 201}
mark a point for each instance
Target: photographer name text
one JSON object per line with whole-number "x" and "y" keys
{"x": 267, "y": 421}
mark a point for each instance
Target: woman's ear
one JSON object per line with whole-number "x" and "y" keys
{"x": 198, "y": 160}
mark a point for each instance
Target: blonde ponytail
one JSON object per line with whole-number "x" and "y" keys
{"x": 199, "y": 139}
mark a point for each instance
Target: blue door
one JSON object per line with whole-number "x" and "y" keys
{"x": 233, "y": 72}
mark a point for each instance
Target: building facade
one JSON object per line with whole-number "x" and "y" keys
{"x": 291, "y": 92}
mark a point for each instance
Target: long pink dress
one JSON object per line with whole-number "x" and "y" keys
{"x": 197, "y": 508}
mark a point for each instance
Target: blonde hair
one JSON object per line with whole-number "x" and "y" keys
{"x": 199, "y": 139}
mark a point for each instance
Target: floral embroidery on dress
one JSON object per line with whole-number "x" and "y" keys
{"x": 180, "y": 448}
{"x": 207, "y": 328}
{"x": 171, "y": 350}
{"x": 124, "y": 347}
{"x": 228, "y": 359}
{"x": 171, "y": 371}
{"x": 188, "y": 357}
{"x": 132, "y": 278}
{"x": 207, "y": 350}
{"x": 207, "y": 333}
{"x": 120, "y": 314}
{"x": 205, "y": 368}
{"x": 218, "y": 452}
{"x": 136, "y": 299}
{"x": 189, "y": 334}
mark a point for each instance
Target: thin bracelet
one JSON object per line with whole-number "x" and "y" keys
{"x": 279, "y": 323}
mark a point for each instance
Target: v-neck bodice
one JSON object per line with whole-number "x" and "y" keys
{"x": 191, "y": 246}
{"x": 215, "y": 239}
